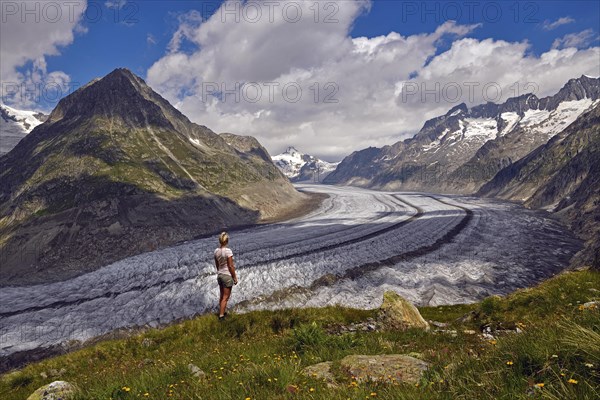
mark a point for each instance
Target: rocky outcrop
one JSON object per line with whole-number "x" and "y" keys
{"x": 57, "y": 390}
{"x": 396, "y": 313}
{"x": 382, "y": 368}
{"x": 390, "y": 368}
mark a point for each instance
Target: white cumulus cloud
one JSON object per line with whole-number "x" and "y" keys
{"x": 31, "y": 32}
{"x": 244, "y": 76}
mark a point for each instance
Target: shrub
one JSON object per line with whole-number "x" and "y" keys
{"x": 308, "y": 336}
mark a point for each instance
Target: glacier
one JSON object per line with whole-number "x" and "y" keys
{"x": 432, "y": 249}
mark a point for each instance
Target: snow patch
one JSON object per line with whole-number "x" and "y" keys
{"x": 511, "y": 119}
{"x": 550, "y": 123}
{"x": 481, "y": 128}
{"x": 534, "y": 117}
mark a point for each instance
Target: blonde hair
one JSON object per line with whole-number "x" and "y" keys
{"x": 223, "y": 238}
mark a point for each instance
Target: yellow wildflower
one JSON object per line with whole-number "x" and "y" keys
{"x": 373, "y": 394}
{"x": 572, "y": 381}
{"x": 509, "y": 363}
{"x": 539, "y": 385}
{"x": 311, "y": 389}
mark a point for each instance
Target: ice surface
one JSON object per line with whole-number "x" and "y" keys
{"x": 503, "y": 247}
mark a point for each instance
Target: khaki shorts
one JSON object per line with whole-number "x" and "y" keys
{"x": 225, "y": 280}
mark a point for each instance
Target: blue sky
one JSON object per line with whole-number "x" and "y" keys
{"x": 120, "y": 37}
{"x": 359, "y": 53}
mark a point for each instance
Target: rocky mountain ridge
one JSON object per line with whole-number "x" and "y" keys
{"x": 460, "y": 151}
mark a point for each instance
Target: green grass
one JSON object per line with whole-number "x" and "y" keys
{"x": 261, "y": 354}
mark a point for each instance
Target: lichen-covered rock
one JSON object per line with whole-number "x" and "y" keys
{"x": 384, "y": 368}
{"x": 196, "y": 372}
{"x": 397, "y": 313}
{"x": 321, "y": 371}
{"x": 57, "y": 390}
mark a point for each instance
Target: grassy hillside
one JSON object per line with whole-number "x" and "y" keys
{"x": 261, "y": 355}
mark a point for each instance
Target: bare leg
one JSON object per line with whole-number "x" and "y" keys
{"x": 224, "y": 299}
{"x": 220, "y": 294}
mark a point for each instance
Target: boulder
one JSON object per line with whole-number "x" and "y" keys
{"x": 321, "y": 371}
{"x": 384, "y": 368}
{"x": 397, "y": 313}
{"x": 57, "y": 390}
{"x": 196, "y": 372}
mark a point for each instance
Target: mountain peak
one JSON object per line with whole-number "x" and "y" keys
{"x": 298, "y": 166}
{"x": 124, "y": 75}
{"x": 121, "y": 97}
{"x": 291, "y": 150}
{"x": 121, "y": 71}
{"x": 460, "y": 108}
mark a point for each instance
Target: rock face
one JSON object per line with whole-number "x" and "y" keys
{"x": 396, "y": 313}
{"x": 562, "y": 176}
{"x": 384, "y": 368}
{"x": 116, "y": 171}
{"x": 57, "y": 390}
{"x": 460, "y": 151}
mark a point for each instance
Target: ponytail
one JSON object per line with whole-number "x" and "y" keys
{"x": 223, "y": 238}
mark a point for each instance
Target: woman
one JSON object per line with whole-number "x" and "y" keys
{"x": 226, "y": 275}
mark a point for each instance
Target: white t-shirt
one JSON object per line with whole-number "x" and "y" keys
{"x": 221, "y": 255}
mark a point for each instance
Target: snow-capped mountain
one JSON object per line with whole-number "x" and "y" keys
{"x": 15, "y": 124}
{"x": 466, "y": 147}
{"x": 302, "y": 167}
